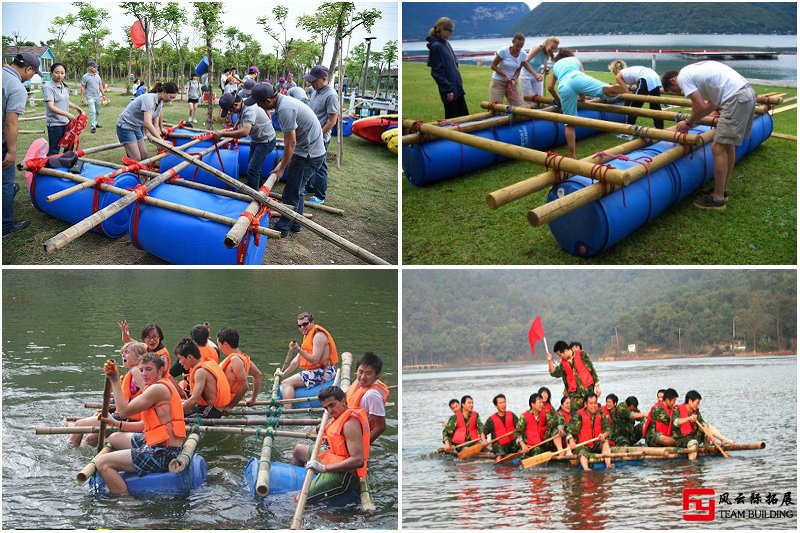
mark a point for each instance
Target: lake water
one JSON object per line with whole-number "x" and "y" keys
{"x": 750, "y": 399}
{"x": 780, "y": 71}
{"x": 60, "y": 325}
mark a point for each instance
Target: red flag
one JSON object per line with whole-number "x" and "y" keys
{"x": 536, "y": 333}
{"x": 137, "y": 34}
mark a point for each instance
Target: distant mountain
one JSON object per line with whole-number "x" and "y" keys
{"x": 473, "y": 20}
{"x": 598, "y": 18}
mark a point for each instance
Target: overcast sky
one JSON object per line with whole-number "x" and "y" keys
{"x": 33, "y": 19}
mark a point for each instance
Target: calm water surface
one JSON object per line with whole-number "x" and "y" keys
{"x": 750, "y": 399}
{"x": 60, "y": 325}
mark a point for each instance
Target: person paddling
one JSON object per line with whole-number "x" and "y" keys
{"x": 685, "y": 426}
{"x": 588, "y": 423}
{"x": 532, "y": 427}
{"x": 657, "y": 427}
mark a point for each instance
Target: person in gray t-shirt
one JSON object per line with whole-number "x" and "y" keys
{"x": 91, "y": 93}
{"x": 144, "y": 113}
{"x": 253, "y": 121}
{"x": 193, "y": 95}
{"x": 325, "y": 104}
{"x": 57, "y": 105}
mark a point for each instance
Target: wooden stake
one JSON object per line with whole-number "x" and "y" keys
{"x": 238, "y": 230}
{"x": 89, "y": 470}
{"x": 785, "y": 108}
{"x": 179, "y": 464}
{"x": 101, "y": 440}
{"x": 784, "y": 136}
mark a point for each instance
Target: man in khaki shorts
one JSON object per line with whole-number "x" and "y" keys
{"x": 711, "y": 85}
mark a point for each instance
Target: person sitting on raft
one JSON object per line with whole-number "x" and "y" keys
{"x": 572, "y": 83}
{"x": 153, "y": 337}
{"x": 577, "y": 371}
{"x": 316, "y": 357}
{"x": 208, "y": 387}
{"x": 547, "y": 406}
{"x": 624, "y": 429}
{"x": 455, "y": 406}
{"x": 369, "y": 393}
{"x": 208, "y": 352}
{"x": 685, "y": 422}
{"x": 237, "y": 366}
{"x": 557, "y": 424}
{"x": 532, "y": 427}
{"x": 464, "y": 426}
{"x": 586, "y": 424}
{"x": 132, "y": 385}
{"x": 147, "y": 446}
{"x": 345, "y": 461}
{"x": 499, "y": 424}
{"x": 144, "y": 114}
{"x": 657, "y": 427}
{"x": 647, "y": 83}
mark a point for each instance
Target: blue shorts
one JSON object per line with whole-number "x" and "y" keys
{"x": 578, "y": 83}
{"x": 150, "y": 459}
{"x": 126, "y": 136}
{"x": 318, "y": 376}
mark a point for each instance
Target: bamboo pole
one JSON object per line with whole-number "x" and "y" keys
{"x": 347, "y": 362}
{"x": 26, "y": 119}
{"x": 255, "y": 431}
{"x": 785, "y": 108}
{"x": 307, "y": 410}
{"x": 250, "y": 421}
{"x": 784, "y": 136}
{"x": 769, "y": 98}
{"x": 238, "y": 230}
{"x": 96, "y": 149}
{"x": 179, "y": 464}
{"x": 601, "y": 125}
{"x": 73, "y": 232}
{"x": 491, "y": 122}
{"x": 646, "y": 113}
{"x": 682, "y": 102}
{"x": 157, "y": 202}
{"x": 89, "y": 470}
{"x": 30, "y": 132}
{"x": 110, "y": 164}
{"x": 514, "y": 152}
{"x": 552, "y": 210}
{"x": 325, "y": 233}
{"x": 101, "y": 440}
{"x": 297, "y": 519}
{"x": 70, "y": 430}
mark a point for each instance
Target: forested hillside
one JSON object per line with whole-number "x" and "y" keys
{"x": 472, "y": 19}
{"x": 463, "y": 316}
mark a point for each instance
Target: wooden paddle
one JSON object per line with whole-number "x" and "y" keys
{"x": 510, "y": 457}
{"x": 475, "y": 449}
{"x": 454, "y": 448}
{"x": 725, "y": 455}
{"x": 546, "y": 456}
{"x": 101, "y": 438}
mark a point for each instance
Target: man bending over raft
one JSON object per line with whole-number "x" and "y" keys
{"x": 370, "y": 393}
{"x": 237, "y": 366}
{"x": 685, "y": 430}
{"x": 587, "y": 424}
{"x": 577, "y": 371}
{"x": 209, "y": 391}
{"x": 316, "y": 357}
{"x": 345, "y": 461}
{"x": 161, "y": 431}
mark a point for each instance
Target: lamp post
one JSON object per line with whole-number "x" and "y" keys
{"x": 366, "y": 66}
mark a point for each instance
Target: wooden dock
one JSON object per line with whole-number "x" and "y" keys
{"x": 729, "y": 54}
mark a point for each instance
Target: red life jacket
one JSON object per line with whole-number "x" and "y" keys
{"x": 547, "y": 409}
{"x": 462, "y": 431}
{"x": 607, "y": 414}
{"x": 503, "y": 426}
{"x": 583, "y": 374}
{"x": 534, "y": 434}
{"x": 567, "y": 418}
{"x": 664, "y": 429}
{"x": 687, "y": 427}
{"x": 589, "y": 430}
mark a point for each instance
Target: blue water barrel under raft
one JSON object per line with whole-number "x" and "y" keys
{"x": 441, "y": 159}
{"x": 596, "y": 227}
{"x": 79, "y": 205}
{"x": 159, "y": 485}
{"x": 225, "y": 160}
{"x": 285, "y": 478}
{"x": 302, "y": 392}
{"x": 183, "y": 239}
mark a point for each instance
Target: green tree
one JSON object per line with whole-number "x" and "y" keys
{"x": 208, "y": 16}
{"x": 279, "y": 14}
{"x": 90, "y": 21}
{"x": 347, "y": 20}
{"x": 59, "y": 28}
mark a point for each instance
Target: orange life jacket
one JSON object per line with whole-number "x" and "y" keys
{"x": 661, "y": 427}
{"x": 337, "y": 443}
{"x": 208, "y": 353}
{"x": 127, "y": 379}
{"x": 156, "y": 431}
{"x": 464, "y": 432}
{"x": 356, "y": 392}
{"x": 163, "y": 352}
{"x": 589, "y": 428}
{"x": 308, "y": 347}
{"x": 227, "y": 362}
{"x": 687, "y": 427}
{"x": 583, "y": 373}
{"x": 223, "y": 388}
{"x": 503, "y": 426}
{"x": 534, "y": 434}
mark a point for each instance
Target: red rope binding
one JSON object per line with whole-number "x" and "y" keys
{"x": 141, "y": 192}
{"x": 98, "y": 181}
{"x": 255, "y": 221}
{"x": 553, "y": 162}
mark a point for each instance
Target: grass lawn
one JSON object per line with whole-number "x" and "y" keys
{"x": 365, "y": 187}
{"x": 450, "y": 223}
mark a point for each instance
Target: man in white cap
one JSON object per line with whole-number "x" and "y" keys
{"x": 304, "y": 149}
{"x": 253, "y": 121}
{"x": 91, "y": 93}
{"x": 21, "y": 69}
{"x": 325, "y": 104}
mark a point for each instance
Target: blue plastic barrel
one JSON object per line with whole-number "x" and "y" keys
{"x": 302, "y": 392}
{"x": 225, "y": 160}
{"x": 189, "y": 240}
{"x": 162, "y": 484}
{"x": 347, "y": 123}
{"x": 596, "y": 227}
{"x": 283, "y": 477}
{"x": 441, "y": 159}
{"x": 275, "y": 123}
{"x": 79, "y": 205}
{"x": 202, "y": 66}
{"x": 269, "y": 163}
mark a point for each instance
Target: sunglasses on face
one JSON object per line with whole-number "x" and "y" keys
{"x": 304, "y": 324}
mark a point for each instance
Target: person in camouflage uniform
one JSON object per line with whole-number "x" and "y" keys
{"x": 531, "y": 428}
{"x": 557, "y": 424}
{"x": 658, "y": 423}
{"x": 590, "y": 411}
{"x": 685, "y": 426}
{"x": 465, "y": 413}
{"x": 495, "y": 426}
{"x": 625, "y": 431}
{"x": 573, "y": 361}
